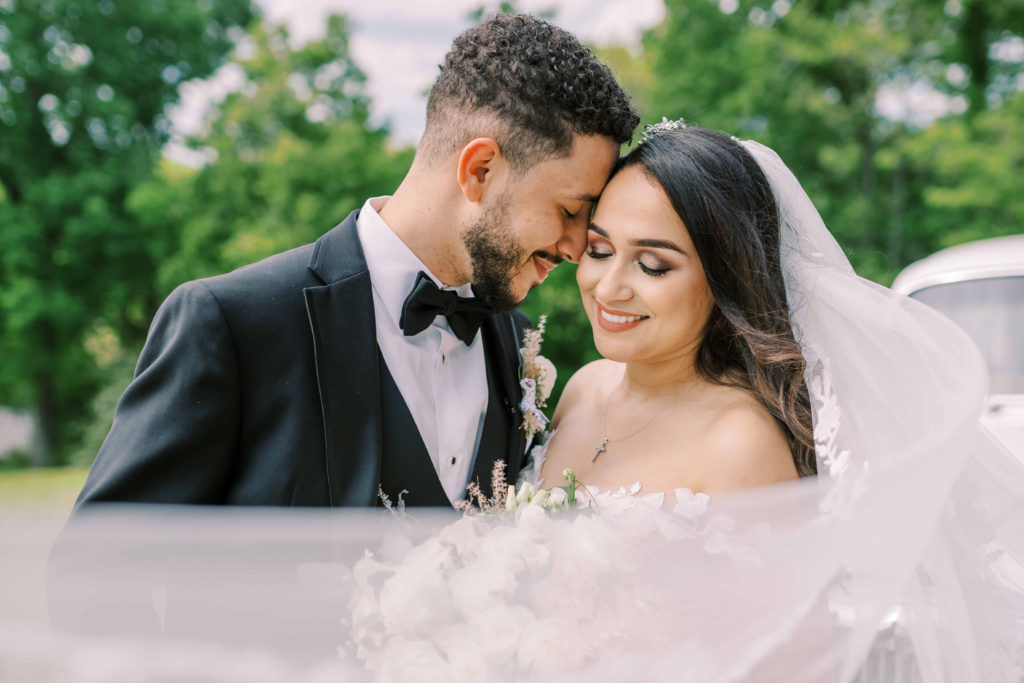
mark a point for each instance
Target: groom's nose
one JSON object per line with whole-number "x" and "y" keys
{"x": 574, "y": 240}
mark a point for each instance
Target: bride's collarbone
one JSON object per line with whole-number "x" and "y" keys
{"x": 663, "y": 459}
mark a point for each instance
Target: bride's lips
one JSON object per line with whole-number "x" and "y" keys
{"x": 617, "y": 321}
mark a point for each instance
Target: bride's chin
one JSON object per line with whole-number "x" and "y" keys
{"x": 618, "y": 352}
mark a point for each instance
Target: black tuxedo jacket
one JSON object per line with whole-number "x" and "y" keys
{"x": 263, "y": 387}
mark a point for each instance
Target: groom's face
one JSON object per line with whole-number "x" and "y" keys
{"x": 537, "y": 220}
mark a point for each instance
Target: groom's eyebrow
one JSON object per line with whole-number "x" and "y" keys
{"x": 654, "y": 244}
{"x": 590, "y": 198}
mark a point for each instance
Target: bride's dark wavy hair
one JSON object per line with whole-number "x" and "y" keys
{"x": 726, "y": 203}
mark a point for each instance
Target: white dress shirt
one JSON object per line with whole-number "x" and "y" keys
{"x": 443, "y": 381}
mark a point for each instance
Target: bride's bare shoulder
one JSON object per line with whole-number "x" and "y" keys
{"x": 584, "y": 384}
{"x": 745, "y": 445}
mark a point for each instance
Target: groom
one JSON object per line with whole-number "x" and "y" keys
{"x": 386, "y": 353}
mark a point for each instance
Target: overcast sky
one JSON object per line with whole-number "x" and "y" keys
{"x": 399, "y": 44}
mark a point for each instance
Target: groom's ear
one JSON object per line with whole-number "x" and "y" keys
{"x": 481, "y": 169}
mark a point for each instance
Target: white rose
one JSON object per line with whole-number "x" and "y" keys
{"x": 481, "y": 584}
{"x": 516, "y": 546}
{"x": 532, "y": 519}
{"x": 550, "y": 646}
{"x": 432, "y": 555}
{"x": 541, "y": 497}
{"x": 405, "y": 659}
{"x": 411, "y": 600}
{"x": 462, "y": 536}
{"x": 415, "y": 594}
{"x": 496, "y": 633}
{"x": 595, "y": 540}
{"x": 465, "y": 663}
{"x": 557, "y": 498}
{"x": 468, "y": 664}
{"x": 548, "y": 597}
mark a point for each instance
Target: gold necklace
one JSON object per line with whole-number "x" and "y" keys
{"x": 602, "y": 447}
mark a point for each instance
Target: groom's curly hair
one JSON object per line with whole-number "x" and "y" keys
{"x": 528, "y": 85}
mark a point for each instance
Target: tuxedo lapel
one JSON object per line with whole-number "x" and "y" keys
{"x": 502, "y": 436}
{"x": 341, "y": 318}
{"x": 511, "y": 368}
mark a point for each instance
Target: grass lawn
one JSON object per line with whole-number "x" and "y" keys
{"x": 57, "y": 485}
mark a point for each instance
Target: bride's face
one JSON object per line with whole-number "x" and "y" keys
{"x": 642, "y": 282}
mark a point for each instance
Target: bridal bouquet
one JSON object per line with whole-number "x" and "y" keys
{"x": 533, "y": 582}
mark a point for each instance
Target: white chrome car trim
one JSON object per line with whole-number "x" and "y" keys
{"x": 910, "y": 285}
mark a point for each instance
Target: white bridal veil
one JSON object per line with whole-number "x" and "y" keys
{"x": 902, "y": 561}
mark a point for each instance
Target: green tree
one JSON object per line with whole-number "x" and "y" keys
{"x": 83, "y": 91}
{"x": 806, "y": 79}
{"x": 803, "y": 79}
{"x": 968, "y": 175}
{"x": 294, "y": 154}
{"x": 965, "y": 35}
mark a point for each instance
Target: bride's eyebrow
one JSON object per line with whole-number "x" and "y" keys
{"x": 654, "y": 244}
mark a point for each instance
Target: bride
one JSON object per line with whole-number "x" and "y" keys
{"x": 702, "y": 387}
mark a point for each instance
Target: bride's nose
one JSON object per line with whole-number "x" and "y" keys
{"x": 613, "y": 284}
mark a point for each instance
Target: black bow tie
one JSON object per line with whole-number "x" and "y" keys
{"x": 427, "y": 300}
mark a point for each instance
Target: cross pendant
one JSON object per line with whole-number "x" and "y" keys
{"x": 600, "y": 448}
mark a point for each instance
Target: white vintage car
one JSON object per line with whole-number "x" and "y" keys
{"x": 980, "y": 286}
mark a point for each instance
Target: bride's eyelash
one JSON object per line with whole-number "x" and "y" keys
{"x": 653, "y": 272}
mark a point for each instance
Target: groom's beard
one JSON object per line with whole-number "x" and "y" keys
{"x": 496, "y": 256}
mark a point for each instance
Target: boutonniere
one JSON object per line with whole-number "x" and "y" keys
{"x": 537, "y": 378}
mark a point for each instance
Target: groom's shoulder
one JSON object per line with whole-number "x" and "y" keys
{"x": 333, "y": 255}
{"x": 251, "y": 296}
{"x": 279, "y": 274}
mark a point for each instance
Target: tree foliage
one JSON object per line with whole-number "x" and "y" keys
{"x": 83, "y": 90}
{"x": 294, "y": 154}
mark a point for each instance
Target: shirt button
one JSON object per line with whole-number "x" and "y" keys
{"x": 443, "y": 358}
{"x": 452, "y": 460}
